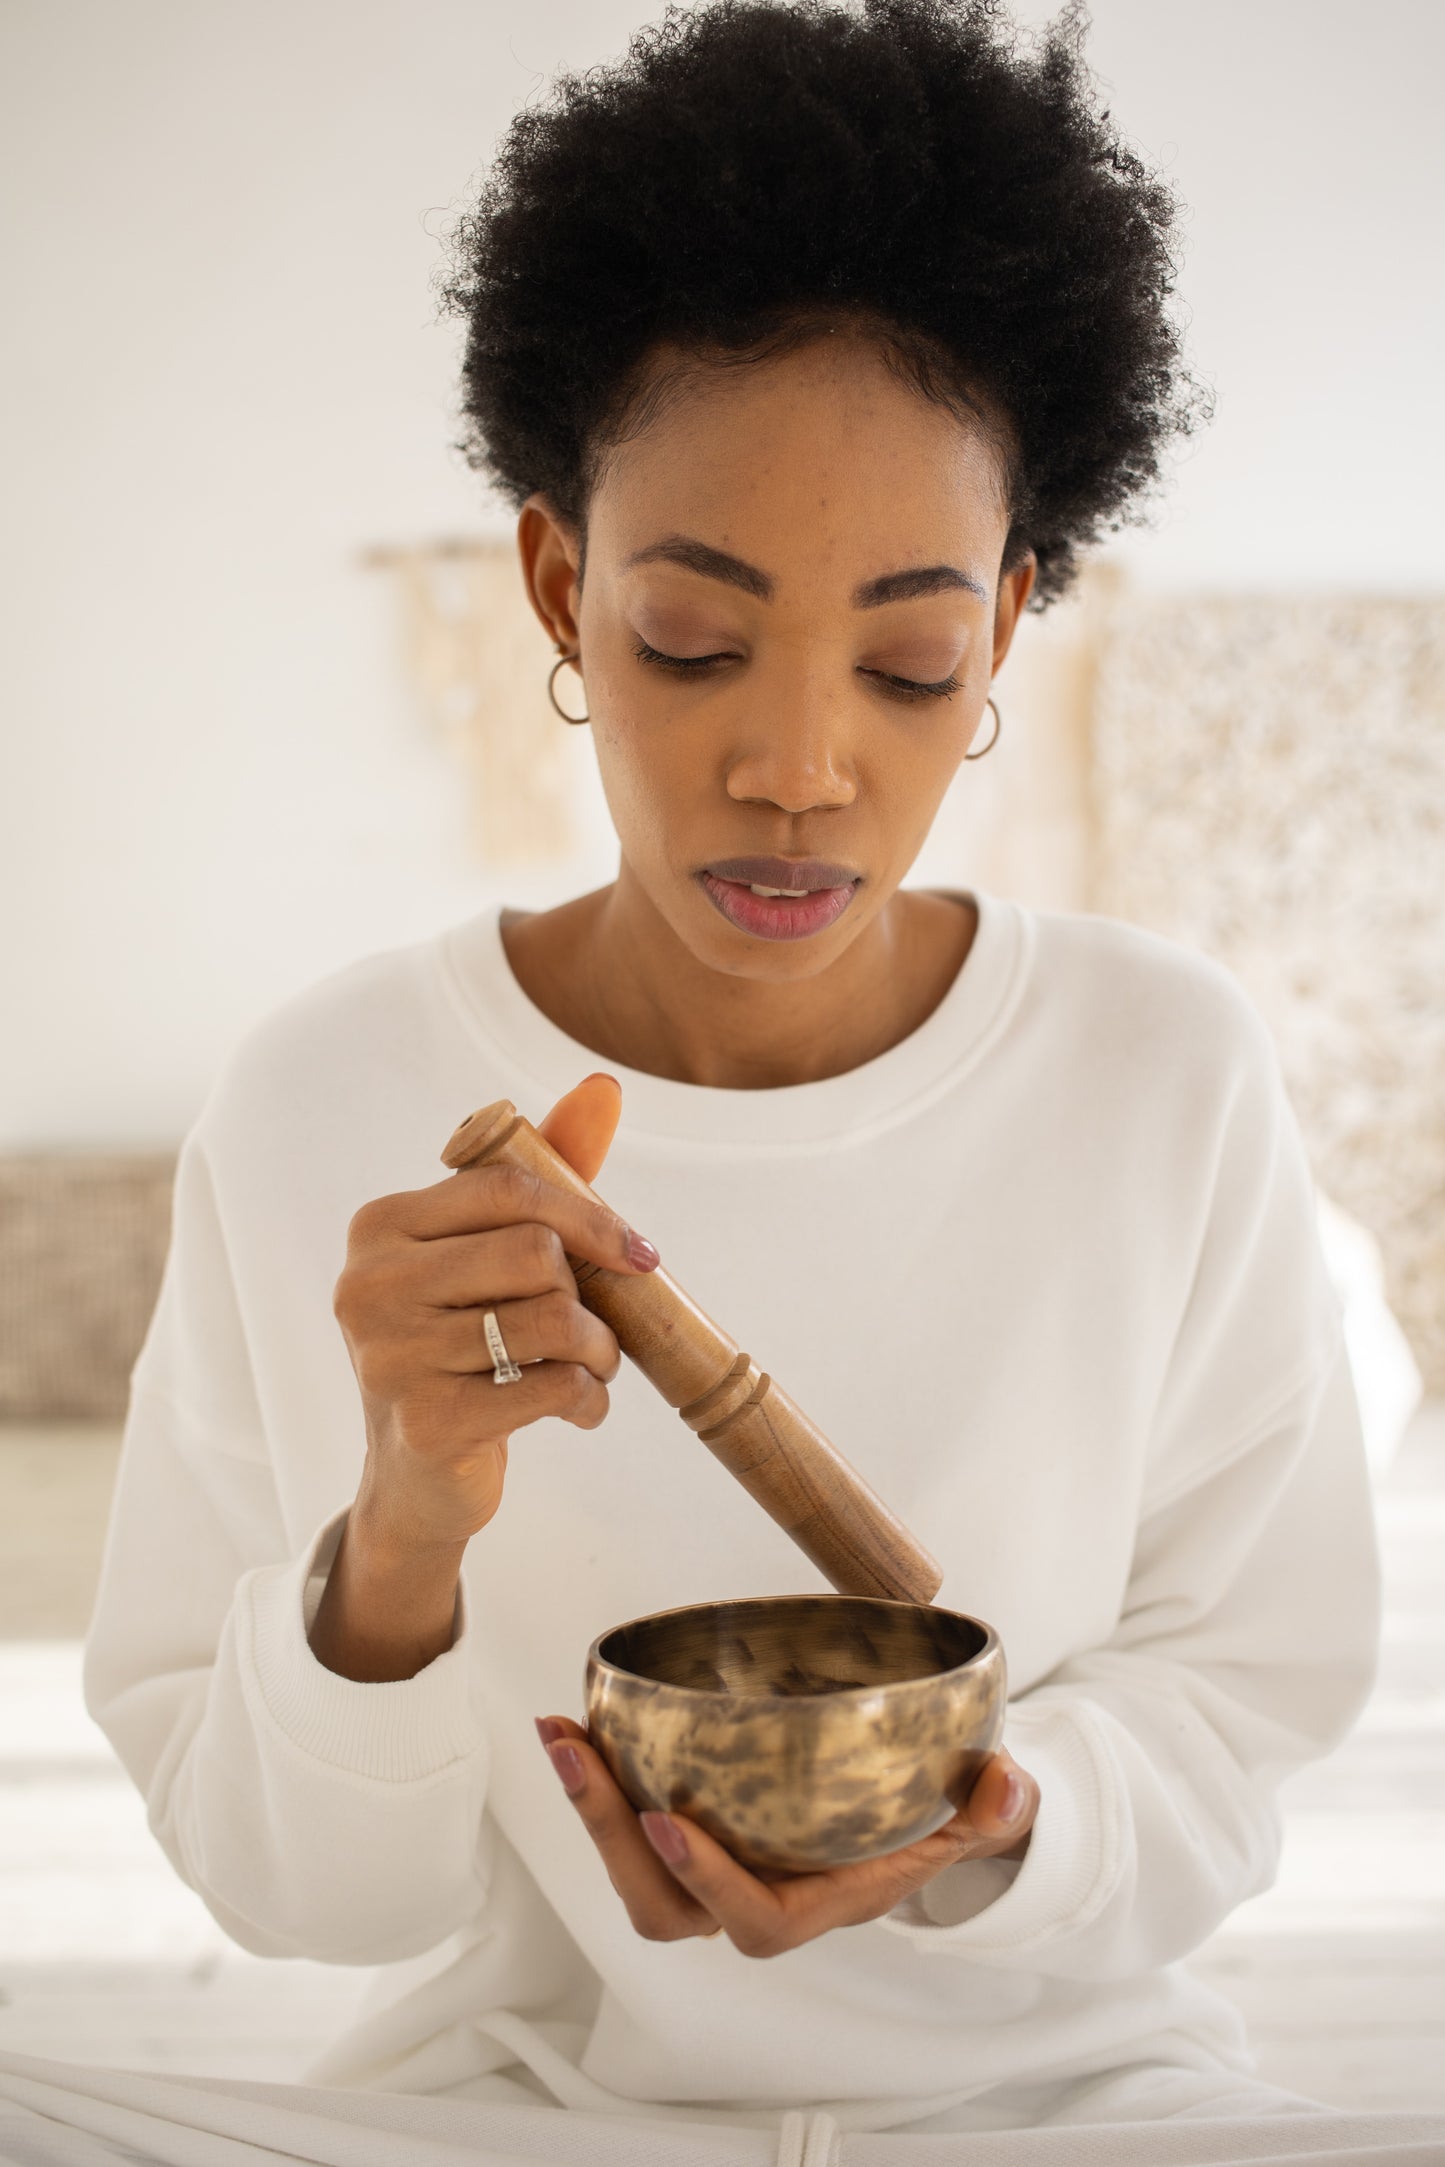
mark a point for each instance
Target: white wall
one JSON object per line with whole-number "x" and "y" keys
{"x": 227, "y": 377}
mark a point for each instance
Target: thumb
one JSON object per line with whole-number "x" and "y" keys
{"x": 1004, "y": 1800}
{"x": 581, "y": 1126}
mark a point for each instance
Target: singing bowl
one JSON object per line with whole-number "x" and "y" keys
{"x": 802, "y": 1731}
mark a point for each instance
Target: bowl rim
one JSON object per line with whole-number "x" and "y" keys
{"x": 842, "y": 1695}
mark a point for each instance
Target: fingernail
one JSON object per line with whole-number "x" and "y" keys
{"x": 1011, "y": 1805}
{"x": 568, "y": 1763}
{"x": 641, "y": 1252}
{"x": 548, "y": 1728}
{"x": 665, "y": 1836}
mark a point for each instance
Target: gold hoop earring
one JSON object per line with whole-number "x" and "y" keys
{"x": 551, "y": 681}
{"x": 997, "y": 726}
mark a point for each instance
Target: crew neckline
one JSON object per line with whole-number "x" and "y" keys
{"x": 545, "y": 1061}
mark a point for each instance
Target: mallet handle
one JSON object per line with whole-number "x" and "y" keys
{"x": 741, "y": 1414}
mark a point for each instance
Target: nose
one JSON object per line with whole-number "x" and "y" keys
{"x": 793, "y": 750}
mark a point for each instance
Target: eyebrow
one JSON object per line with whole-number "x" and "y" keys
{"x": 696, "y": 556}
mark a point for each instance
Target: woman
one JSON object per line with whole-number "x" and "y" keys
{"x": 812, "y": 347}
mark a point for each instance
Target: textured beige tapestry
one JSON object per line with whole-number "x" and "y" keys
{"x": 1268, "y": 780}
{"x": 479, "y": 658}
{"x": 83, "y": 1239}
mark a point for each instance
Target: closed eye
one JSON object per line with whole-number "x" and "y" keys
{"x": 911, "y": 688}
{"x": 644, "y": 653}
{"x": 904, "y": 687}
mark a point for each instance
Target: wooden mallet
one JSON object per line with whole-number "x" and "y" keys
{"x": 740, "y": 1413}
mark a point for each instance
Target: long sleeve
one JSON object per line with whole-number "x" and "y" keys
{"x": 1246, "y": 1641}
{"x": 314, "y": 1815}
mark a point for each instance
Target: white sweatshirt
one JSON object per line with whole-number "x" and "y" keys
{"x": 1047, "y": 1272}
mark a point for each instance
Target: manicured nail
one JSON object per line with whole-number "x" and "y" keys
{"x": 1011, "y": 1805}
{"x": 665, "y": 1836}
{"x": 568, "y": 1763}
{"x": 548, "y": 1728}
{"x": 641, "y": 1252}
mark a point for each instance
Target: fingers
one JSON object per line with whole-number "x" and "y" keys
{"x": 400, "y": 1336}
{"x": 659, "y": 1909}
{"x": 582, "y": 1124}
{"x": 398, "y": 1277}
{"x": 760, "y": 1918}
{"x": 676, "y": 1880}
{"x": 476, "y": 1198}
{"x": 764, "y": 1919}
{"x": 552, "y": 1327}
{"x": 1003, "y": 1804}
{"x": 563, "y": 1391}
{"x": 995, "y": 1823}
{"x": 670, "y": 1898}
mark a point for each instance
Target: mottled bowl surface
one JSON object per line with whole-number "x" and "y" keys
{"x": 803, "y": 1731}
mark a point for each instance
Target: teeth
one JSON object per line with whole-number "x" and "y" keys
{"x": 777, "y": 891}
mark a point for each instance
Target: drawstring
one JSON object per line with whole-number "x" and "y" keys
{"x": 807, "y": 2140}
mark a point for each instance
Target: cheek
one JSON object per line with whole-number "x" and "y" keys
{"x": 653, "y": 777}
{"x": 909, "y": 779}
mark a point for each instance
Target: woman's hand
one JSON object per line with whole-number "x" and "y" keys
{"x": 705, "y": 1891}
{"x": 421, "y": 1267}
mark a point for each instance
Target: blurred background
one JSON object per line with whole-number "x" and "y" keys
{"x": 274, "y": 698}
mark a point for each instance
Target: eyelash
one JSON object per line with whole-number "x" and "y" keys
{"x": 904, "y": 687}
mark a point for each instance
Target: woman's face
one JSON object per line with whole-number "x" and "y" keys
{"x": 743, "y": 532}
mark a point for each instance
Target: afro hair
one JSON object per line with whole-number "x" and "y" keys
{"x": 755, "y": 172}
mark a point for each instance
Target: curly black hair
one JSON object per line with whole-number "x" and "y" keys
{"x": 753, "y": 172}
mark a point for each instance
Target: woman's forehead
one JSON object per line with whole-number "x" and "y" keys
{"x": 828, "y": 443}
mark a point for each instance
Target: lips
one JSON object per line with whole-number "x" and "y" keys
{"x": 809, "y": 873}
{"x": 777, "y": 918}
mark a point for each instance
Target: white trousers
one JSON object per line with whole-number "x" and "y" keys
{"x": 63, "y": 2114}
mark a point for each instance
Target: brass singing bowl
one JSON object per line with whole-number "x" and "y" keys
{"x": 802, "y": 1731}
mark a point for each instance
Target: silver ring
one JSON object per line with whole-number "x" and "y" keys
{"x": 504, "y": 1369}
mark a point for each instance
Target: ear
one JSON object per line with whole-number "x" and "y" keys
{"x": 1014, "y": 590}
{"x": 548, "y": 547}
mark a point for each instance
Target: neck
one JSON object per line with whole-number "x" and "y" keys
{"x": 610, "y": 971}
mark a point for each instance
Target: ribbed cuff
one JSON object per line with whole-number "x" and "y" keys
{"x": 397, "y": 1731}
{"x": 1075, "y": 1860}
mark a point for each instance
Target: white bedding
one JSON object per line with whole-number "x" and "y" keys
{"x": 59, "y": 2114}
